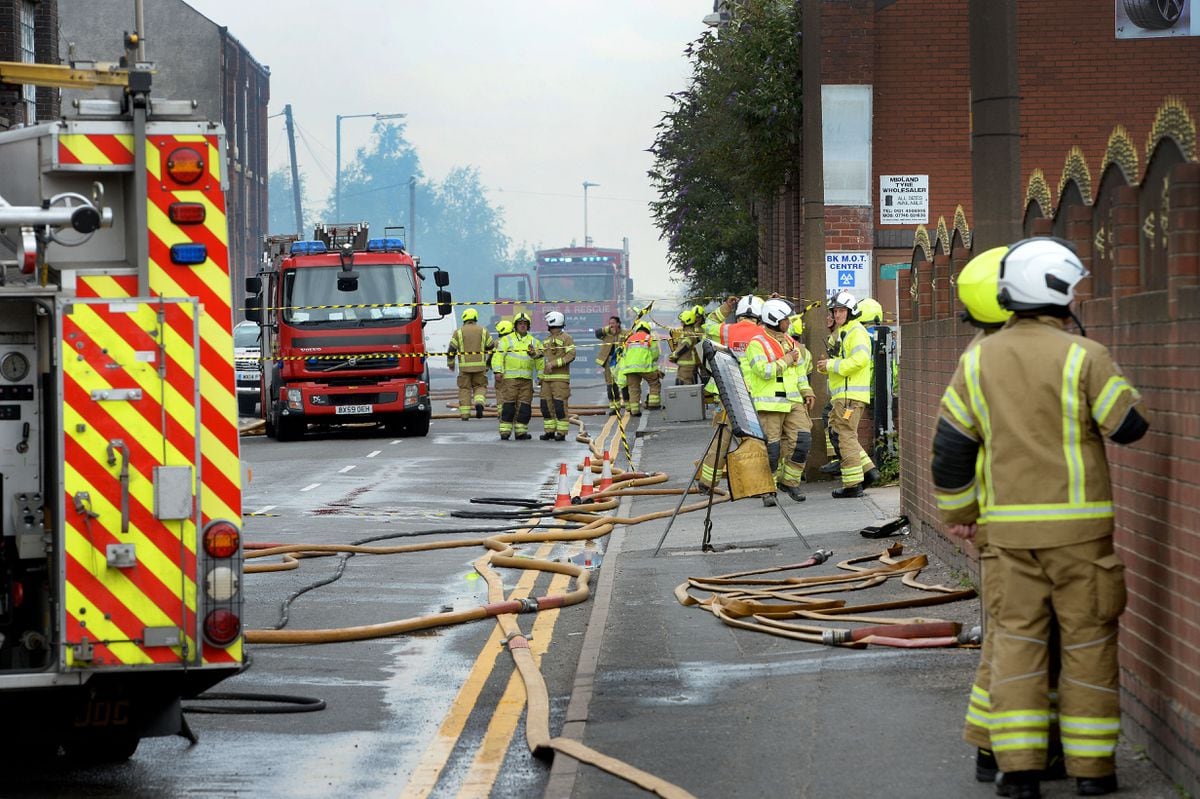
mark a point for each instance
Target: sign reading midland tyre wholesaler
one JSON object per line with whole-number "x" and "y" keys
{"x": 904, "y": 199}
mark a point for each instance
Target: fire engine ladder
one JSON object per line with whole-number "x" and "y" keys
{"x": 59, "y": 76}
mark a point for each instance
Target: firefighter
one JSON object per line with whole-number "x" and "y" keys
{"x": 735, "y": 336}
{"x": 1034, "y": 404}
{"x": 472, "y": 345}
{"x": 834, "y": 466}
{"x": 503, "y": 328}
{"x": 638, "y": 364}
{"x": 610, "y": 346}
{"x": 850, "y": 392}
{"x": 554, "y": 368}
{"x": 771, "y": 367}
{"x": 685, "y": 353}
{"x": 518, "y": 353}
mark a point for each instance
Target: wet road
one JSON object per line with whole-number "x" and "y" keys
{"x": 436, "y": 714}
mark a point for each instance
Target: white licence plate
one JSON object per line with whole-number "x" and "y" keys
{"x": 343, "y": 410}
{"x": 247, "y": 376}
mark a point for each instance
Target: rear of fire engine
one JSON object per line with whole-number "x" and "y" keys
{"x": 342, "y": 319}
{"x": 120, "y": 495}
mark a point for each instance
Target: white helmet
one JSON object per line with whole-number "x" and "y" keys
{"x": 775, "y": 312}
{"x": 749, "y": 306}
{"x": 844, "y": 299}
{"x": 1039, "y": 272}
{"x": 555, "y": 319}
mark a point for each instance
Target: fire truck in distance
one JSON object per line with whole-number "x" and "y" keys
{"x": 120, "y": 478}
{"x": 342, "y": 340}
{"x": 587, "y": 284}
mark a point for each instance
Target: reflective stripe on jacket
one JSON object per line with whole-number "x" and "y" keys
{"x": 558, "y": 351}
{"x": 764, "y": 371}
{"x": 516, "y": 354}
{"x": 470, "y": 344}
{"x": 735, "y": 336}
{"x": 850, "y": 372}
{"x": 1039, "y": 400}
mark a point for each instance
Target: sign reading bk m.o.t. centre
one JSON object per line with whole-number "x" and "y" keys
{"x": 848, "y": 271}
{"x": 904, "y": 199}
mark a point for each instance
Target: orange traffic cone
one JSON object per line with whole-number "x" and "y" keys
{"x": 563, "y": 500}
{"x": 585, "y": 488}
{"x": 605, "y": 475}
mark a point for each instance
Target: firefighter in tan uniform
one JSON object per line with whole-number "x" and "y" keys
{"x": 471, "y": 344}
{"x": 518, "y": 353}
{"x": 1032, "y": 405}
{"x": 503, "y": 328}
{"x": 610, "y": 337}
{"x": 685, "y": 348}
{"x": 558, "y": 351}
{"x": 850, "y": 393}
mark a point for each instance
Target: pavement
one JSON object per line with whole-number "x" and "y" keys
{"x": 725, "y": 712}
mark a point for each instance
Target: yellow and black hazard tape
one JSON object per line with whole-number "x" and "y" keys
{"x": 456, "y": 303}
{"x": 371, "y": 355}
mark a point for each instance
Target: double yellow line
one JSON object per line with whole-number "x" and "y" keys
{"x": 489, "y": 756}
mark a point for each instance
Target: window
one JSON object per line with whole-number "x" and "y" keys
{"x": 846, "y": 138}
{"x": 29, "y": 56}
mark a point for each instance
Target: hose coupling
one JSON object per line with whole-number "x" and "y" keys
{"x": 835, "y": 637}
{"x": 971, "y": 636}
{"x": 528, "y": 605}
{"x": 822, "y": 555}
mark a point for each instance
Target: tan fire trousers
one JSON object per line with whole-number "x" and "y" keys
{"x": 472, "y": 391}
{"x": 844, "y": 419}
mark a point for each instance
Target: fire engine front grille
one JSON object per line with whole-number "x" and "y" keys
{"x": 363, "y": 399}
{"x": 353, "y": 362}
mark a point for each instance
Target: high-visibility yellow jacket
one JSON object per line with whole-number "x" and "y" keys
{"x": 558, "y": 351}
{"x": 639, "y": 355}
{"x": 850, "y": 371}
{"x": 471, "y": 344}
{"x": 1036, "y": 402}
{"x": 517, "y": 354}
{"x": 775, "y": 385}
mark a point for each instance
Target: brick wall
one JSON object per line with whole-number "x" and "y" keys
{"x": 1155, "y": 336}
{"x": 12, "y": 110}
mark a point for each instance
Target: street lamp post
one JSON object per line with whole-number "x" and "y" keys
{"x": 337, "y": 201}
{"x": 587, "y": 240}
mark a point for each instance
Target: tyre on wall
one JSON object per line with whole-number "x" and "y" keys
{"x": 1155, "y": 15}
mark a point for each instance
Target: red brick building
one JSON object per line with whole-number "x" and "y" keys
{"x": 28, "y": 33}
{"x": 1108, "y": 159}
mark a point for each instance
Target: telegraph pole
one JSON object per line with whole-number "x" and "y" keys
{"x": 291, "y": 134}
{"x": 412, "y": 214}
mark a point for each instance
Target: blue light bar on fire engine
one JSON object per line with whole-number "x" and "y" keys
{"x": 577, "y": 259}
{"x": 385, "y": 245}
{"x": 308, "y": 248}
{"x": 188, "y": 254}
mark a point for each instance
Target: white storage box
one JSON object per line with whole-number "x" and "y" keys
{"x": 684, "y": 403}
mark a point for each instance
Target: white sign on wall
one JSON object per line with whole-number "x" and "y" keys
{"x": 848, "y": 271}
{"x": 904, "y": 199}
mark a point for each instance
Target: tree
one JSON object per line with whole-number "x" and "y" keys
{"x": 281, "y": 217}
{"x": 726, "y": 145}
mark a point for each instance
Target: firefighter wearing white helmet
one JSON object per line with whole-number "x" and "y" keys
{"x": 518, "y": 353}
{"x": 554, "y": 368}
{"x": 735, "y": 336}
{"x": 1034, "y": 404}
{"x": 776, "y": 372}
{"x": 849, "y": 374}
{"x": 471, "y": 344}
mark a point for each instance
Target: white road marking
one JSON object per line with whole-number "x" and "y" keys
{"x": 310, "y": 487}
{"x": 345, "y": 469}
{"x": 266, "y": 509}
{"x": 373, "y": 454}
{"x": 397, "y": 441}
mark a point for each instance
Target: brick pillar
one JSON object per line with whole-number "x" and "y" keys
{"x": 1126, "y": 277}
{"x": 907, "y": 310}
{"x": 942, "y": 294}
{"x": 1042, "y": 227}
{"x": 924, "y": 291}
{"x": 1183, "y": 249}
{"x": 1079, "y": 233}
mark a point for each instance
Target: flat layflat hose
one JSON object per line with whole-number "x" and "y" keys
{"x": 279, "y": 703}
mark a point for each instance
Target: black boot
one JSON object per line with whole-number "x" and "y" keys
{"x": 522, "y": 437}
{"x": 559, "y": 437}
{"x": 833, "y": 467}
{"x": 479, "y": 410}
{"x": 848, "y": 492}
{"x": 769, "y": 501}
{"x": 1018, "y": 785}
{"x": 1096, "y": 786}
{"x": 985, "y": 765}
{"x": 546, "y": 436}
{"x": 794, "y": 492}
{"x": 872, "y": 477}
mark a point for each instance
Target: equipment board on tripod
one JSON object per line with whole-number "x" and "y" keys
{"x": 735, "y": 397}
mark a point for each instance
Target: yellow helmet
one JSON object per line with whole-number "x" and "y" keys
{"x": 796, "y": 328}
{"x": 643, "y": 324}
{"x": 504, "y": 327}
{"x": 522, "y": 317}
{"x": 870, "y": 312}
{"x": 698, "y": 310}
{"x": 977, "y": 289}
{"x": 470, "y": 315}
{"x": 688, "y": 316}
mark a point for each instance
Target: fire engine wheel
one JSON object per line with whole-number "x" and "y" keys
{"x": 1154, "y": 14}
{"x": 287, "y": 429}
{"x": 109, "y": 749}
{"x": 411, "y": 425}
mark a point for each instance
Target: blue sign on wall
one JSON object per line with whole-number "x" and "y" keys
{"x": 845, "y": 279}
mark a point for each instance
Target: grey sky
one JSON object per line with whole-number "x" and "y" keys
{"x": 539, "y": 95}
